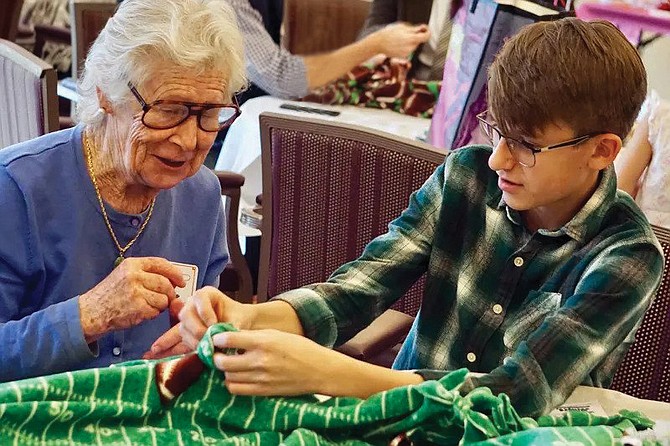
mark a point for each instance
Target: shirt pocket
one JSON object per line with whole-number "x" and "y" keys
{"x": 530, "y": 316}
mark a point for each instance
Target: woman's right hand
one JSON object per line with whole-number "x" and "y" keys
{"x": 136, "y": 290}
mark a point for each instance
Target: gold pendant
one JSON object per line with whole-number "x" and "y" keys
{"x": 118, "y": 260}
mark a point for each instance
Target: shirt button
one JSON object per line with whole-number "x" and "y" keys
{"x": 471, "y": 357}
{"x": 518, "y": 261}
{"x": 135, "y": 222}
{"x": 116, "y": 351}
{"x": 497, "y": 309}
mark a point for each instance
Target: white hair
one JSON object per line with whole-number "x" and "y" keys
{"x": 197, "y": 35}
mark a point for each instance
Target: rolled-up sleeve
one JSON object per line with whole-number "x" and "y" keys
{"x": 332, "y": 312}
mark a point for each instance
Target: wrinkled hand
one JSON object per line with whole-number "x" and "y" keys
{"x": 169, "y": 343}
{"x": 136, "y": 290}
{"x": 273, "y": 363}
{"x": 400, "y": 39}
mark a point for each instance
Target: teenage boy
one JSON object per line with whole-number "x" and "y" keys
{"x": 538, "y": 270}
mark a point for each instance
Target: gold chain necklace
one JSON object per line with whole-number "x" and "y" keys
{"x": 122, "y": 250}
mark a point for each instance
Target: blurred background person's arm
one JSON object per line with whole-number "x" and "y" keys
{"x": 396, "y": 40}
{"x": 428, "y": 60}
{"x": 286, "y": 75}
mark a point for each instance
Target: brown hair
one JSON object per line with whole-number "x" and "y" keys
{"x": 583, "y": 74}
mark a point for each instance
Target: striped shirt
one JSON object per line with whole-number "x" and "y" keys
{"x": 269, "y": 66}
{"x": 538, "y": 313}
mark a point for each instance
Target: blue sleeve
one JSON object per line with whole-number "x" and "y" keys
{"x": 33, "y": 340}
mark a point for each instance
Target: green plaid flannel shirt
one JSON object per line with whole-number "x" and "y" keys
{"x": 537, "y": 313}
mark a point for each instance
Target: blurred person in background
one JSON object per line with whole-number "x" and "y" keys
{"x": 428, "y": 61}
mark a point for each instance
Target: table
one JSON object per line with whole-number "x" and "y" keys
{"x": 241, "y": 151}
{"x": 630, "y": 19}
{"x": 608, "y": 402}
{"x": 612, "y": 402}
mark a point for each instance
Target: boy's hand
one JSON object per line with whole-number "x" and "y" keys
{"x": 275, "y": 363}
{"x": 207, "y": 307}
{"x": 272, "y": 362}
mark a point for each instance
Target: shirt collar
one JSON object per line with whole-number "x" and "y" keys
{"x": 586, "y": 221}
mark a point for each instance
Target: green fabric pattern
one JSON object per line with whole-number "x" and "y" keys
{"x": 206, "y": 344}
{"x": 121, "y": 406}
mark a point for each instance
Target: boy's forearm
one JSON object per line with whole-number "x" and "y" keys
{"x": 277, "y": 315}
{"x": 346, "y": 376}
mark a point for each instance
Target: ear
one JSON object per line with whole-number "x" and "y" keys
{"x": 104, "y": 101}
{"x": 607, "y": 147}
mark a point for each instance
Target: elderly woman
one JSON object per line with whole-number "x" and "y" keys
{"x": 93, "y": 216}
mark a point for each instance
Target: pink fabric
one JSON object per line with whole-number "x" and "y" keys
{"x": 630, "y": 19}
{"x": 453, "y": 123}
{"x": 449, "y": 84}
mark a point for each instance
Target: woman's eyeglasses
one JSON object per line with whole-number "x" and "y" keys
{"x": 165, "y": 114}
{"x": 523, "y": 152}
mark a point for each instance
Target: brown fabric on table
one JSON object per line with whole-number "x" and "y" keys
{"x": 382, "y": 83}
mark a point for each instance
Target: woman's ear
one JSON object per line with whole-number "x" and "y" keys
{"x": 104, "y": 101}
{"x": 607, "y": 147}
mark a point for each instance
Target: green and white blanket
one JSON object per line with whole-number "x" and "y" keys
{"x": 183, "y": 402}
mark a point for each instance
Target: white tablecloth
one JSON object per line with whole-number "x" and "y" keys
{"x": 612, "y": 402}
{"x": 241, "y": 149}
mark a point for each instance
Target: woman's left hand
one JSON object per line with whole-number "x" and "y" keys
{"x": 169, "y": 343}
{"x": 271, "y": 362}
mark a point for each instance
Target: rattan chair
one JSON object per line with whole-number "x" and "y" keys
{"x": 328, "y": 190}
{"x": 28, "y": 101}
{"x": 645, "y": 371}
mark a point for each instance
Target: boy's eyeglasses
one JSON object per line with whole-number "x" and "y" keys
{"x": 523, "y": 152}
{"x": 165, "y": 114}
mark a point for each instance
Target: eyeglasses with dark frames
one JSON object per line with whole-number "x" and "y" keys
{"x": 523, "y": 152}
{"x": 165, "y": 114}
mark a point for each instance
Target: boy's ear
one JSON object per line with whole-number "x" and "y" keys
{"x": 607, "y": 147}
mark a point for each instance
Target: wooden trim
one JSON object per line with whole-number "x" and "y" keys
{"x": 50, "y": 100}
{"x": 230, "y": 187}
{"x": 78, "y": 10}
{"x": 10, "y": 22}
